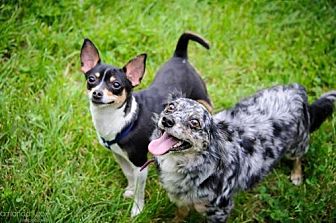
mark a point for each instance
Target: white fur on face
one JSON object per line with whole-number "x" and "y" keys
{"x": 109, "y": 121}
{"x": 108, "y": 97}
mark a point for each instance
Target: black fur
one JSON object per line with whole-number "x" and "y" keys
{"x": 182, "y": 44}
{"x": 123, "y": 119}
{"x": 177, "y": 75}
{"x": 320, "y": 110}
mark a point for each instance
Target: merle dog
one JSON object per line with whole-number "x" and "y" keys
{"x": 203, "y": 160}
{"x": 123, "y": 119}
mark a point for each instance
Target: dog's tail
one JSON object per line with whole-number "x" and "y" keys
{"x": 321, "y": 109}
{"x": 182, "y": 44}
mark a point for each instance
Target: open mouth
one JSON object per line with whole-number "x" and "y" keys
{"x": 167, "y": 143}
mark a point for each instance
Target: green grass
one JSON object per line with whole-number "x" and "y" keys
{"x": 51, "y": 165}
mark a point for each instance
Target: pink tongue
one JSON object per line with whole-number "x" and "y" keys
{"x": 161, "y": 145}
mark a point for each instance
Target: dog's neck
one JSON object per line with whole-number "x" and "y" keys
{"x": 109, "y": 121}
{"x": 185, "y": 163}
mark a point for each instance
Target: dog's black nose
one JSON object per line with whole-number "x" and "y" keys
{"x": 97, "y": 94}
{"x": 168, "y": 123}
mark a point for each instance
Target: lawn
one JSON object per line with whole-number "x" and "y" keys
{"x": 52, "y": 167}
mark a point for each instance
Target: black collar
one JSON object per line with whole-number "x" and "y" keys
{"x": 124, "y": 132}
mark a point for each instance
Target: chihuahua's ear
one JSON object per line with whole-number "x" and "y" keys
{"x": 135, "y": 69}
{"x": 89, "y": 56}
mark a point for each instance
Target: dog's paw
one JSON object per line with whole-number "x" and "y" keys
{"x": 296, "y": 179}
{"x": 177, "y": 220}
{"x": 180, "y": 214}
{"x": 129, "y": 193}
{"x": 136, "y": 209}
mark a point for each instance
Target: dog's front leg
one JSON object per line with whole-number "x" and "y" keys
{"x": 128, "y": 169}
{"x": 220, "y": 212}
{"x": 139, "y": 195}
{"x": 296, "y": 175}
{"x": 181, "y": 213}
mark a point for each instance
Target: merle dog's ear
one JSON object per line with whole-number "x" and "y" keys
{"x": 206, "y": 105}
{"x": 156, "y": 132}
{"x": 224, "y": 129}
{"x": 89, "y": 56}
{"x": 175, "y": 95}
{"x": 135, "y": 69}
{"x": 155, "y": 117}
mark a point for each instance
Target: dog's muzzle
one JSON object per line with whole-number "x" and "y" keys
{"x": 97, "y": 95}
{"x": 167, "y": 122}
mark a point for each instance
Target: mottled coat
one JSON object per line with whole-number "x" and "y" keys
{"x": 235, "y": 148}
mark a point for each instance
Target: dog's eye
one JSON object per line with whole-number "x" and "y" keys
{"x": 195, "y": 124}
{"x": 116, "y": 85}
{"x": 91, "y": 79}
{"x": 170, "y": 108}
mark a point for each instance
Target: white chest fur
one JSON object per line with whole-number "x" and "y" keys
{"x": 181, "y": 185}
{"x": 170, "y": 179}
{"x": 109, "y": 121}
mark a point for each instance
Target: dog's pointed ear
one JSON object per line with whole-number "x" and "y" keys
{"x": 135, "y": 69}
{"x": 89, "y": 56}
{"x": 206, "y": 105}
{"x": 174, "y": 95}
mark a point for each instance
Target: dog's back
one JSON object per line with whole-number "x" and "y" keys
{"x": 271, "y": 112}
{"x": 177, "y": 76}
{"x": 269, "y": 124}
{"x": 272, "y": 123}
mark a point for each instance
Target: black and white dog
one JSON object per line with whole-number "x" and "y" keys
{"x": 123, "y": 119}
{"x": 203, "y": 160}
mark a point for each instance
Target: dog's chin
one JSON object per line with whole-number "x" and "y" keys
{"x": 168, "y": 143}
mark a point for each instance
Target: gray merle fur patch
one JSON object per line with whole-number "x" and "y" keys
{"x": 235, "y": 148}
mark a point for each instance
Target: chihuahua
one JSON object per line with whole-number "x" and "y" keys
{"x": 123, "y": 119}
